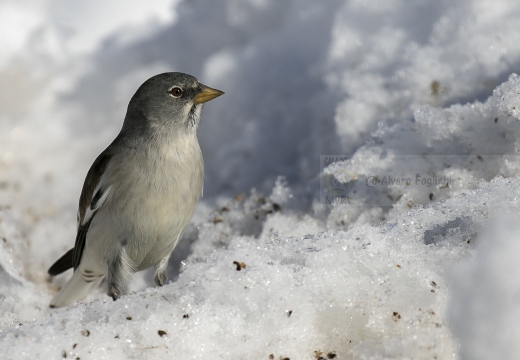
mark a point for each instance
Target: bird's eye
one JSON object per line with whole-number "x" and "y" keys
{"x": 176, "y": 92}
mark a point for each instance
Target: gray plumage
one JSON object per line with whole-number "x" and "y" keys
{"x": 140, "y": 193}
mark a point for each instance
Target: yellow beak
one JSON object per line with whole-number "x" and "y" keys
{"x": 206, "y": 94}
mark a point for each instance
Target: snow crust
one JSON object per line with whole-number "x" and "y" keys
{"x": 418, "y": 106}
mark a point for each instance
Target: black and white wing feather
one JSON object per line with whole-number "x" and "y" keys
{"x": 93, "y": 196}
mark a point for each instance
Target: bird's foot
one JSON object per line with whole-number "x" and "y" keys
{"x": 114, "y": 292}
{"x": 160, "y": 278}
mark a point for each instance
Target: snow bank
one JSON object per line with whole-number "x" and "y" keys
{"x": 422, "y": 267}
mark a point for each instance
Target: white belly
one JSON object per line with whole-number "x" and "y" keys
{"x": 148, "y": 210}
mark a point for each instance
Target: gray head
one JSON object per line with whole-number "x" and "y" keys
{"x": 170, "y": 100}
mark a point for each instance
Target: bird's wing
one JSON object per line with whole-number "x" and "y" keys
{"x": 93, "y": 196}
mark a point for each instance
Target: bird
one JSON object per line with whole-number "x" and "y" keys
{"x": 140, "y": 193}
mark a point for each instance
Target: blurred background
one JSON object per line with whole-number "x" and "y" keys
{"x": 302, "y": 79}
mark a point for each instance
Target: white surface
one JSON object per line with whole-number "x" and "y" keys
{"x": 402, "y": 271}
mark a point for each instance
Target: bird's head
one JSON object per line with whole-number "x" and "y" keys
{"x": 170, "y": 100}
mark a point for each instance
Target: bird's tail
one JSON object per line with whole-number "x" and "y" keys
{"x": 78, "y": 287}
{"x": 63, "y": 264}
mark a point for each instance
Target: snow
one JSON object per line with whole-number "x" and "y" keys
{"x": 404, "y": 115}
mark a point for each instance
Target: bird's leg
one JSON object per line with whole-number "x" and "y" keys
{"x": 161, "y": 271}
{"x": 119, "y": 269}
